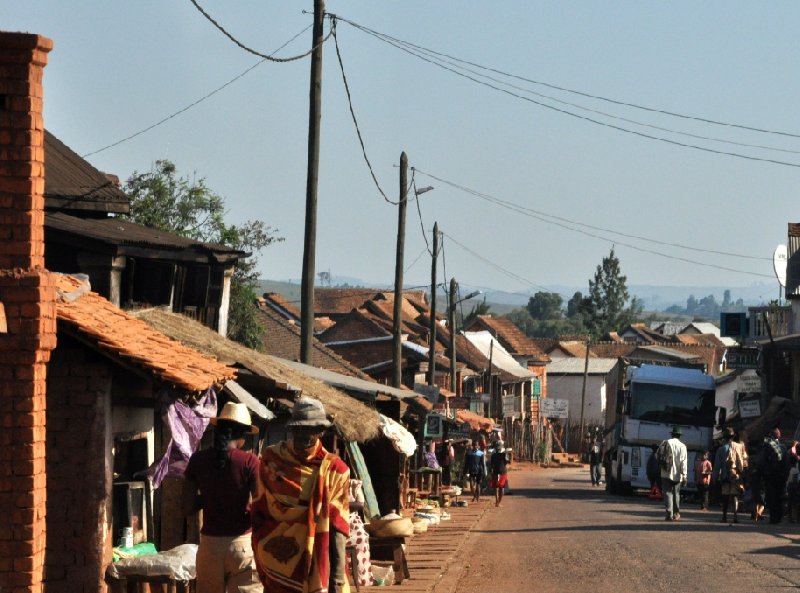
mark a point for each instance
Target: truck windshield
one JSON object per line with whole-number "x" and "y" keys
{"x": 672, "y": 405}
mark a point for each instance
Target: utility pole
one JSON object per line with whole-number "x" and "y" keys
{"x": 491, "y": 380}
{"x": 397, "y": 343}
{"x": 583, "y": 393}
{"x": 312, "y": 181}
{"x": 432, "y": 353}
{"x": 451, "y": 321}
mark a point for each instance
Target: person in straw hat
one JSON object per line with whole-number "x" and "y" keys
{"x": 301, "y": 516}
{"x": 222, "y": 481}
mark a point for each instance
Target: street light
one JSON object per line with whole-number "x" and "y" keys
{"x": 451, "y": 321}
{"x": 422, "y": 190}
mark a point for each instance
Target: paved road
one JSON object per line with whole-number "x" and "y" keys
{"x": 559, "y": 534}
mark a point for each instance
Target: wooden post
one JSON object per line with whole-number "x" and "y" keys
{"x": 397, "y": 344}
{"x": 583, "y": 395}
{"x": 432, "y": 353}
{"x": 451, "y": 320}
{"x": 312, "y": 181}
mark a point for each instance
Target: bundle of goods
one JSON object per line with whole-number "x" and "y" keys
{"x": 391, "y": 525}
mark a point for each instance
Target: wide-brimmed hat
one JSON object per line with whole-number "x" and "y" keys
{"x": 238, "y": 413}
{"x": 676, "y": 431}
{"x": 308, "y": 411}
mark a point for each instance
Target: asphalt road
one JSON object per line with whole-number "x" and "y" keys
{"x": 557, "y": 533}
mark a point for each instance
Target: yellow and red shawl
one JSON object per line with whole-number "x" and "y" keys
{"x": 299, "y": 501}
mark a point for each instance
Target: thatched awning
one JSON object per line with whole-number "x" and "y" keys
{"x": 354, "y": 420}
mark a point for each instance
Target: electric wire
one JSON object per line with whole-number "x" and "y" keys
{"x": 524, "y": 212}
{"x": 193, "y": 103}
{"x": 416, "y": 259}
{"x": 419, "y": 214}
{"x": 353, "y": 115}
{"x": 250, "y": 50}
{"x": 573, "y": 91}
{"x": 578, "y": 116}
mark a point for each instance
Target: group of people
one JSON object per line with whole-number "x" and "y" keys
{"x": 277, "y": 523}
{"x": 482, "y": 463}
{"x": 761, "y": 475}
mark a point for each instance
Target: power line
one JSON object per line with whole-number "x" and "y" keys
{"x": 250, "y": 50}
{"x": 419, "y": 213}
{"x": 526, "y": 212}
{"x": 194, "y": 103}
{"x": 573, "y": 91}
{"x": 353, "y": 114}
{"x": 589, "y": 226}
{"x": 570, "y": 113}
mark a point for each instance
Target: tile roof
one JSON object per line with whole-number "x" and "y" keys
{"x": 282, "y": 339}
{"x": 131, "y": 340}
{"x": 511, "y": 337}
{"x": 331, "y": 302}
{"x": 693, "y": 339}
{"x": 130, "y": 236}
{"x": 71, "y": 183}
{"x": 475, "y": 421}
{"x": 289, "y": 310}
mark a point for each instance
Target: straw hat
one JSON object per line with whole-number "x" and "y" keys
{"x": 308, "y": 411}
{"x": 238, "y": 413}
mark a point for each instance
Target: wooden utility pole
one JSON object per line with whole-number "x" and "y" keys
{"x": 432, "y": 352}
{"x": 451, "y": 321}
{"x": 583, "y": 393}
{"x": 312, "y": 181}
{"x": 397, "y": 344}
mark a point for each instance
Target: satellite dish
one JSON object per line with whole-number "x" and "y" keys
{"x": 779, "y": 263}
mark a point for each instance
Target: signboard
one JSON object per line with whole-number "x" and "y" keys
{"x": 749, "y": 384}
{"x": 554, "y": 408}
{"x": 750, "y": 407}
{"x": 433, "y": 426}
{"x": 459, "y": 403}
{"x": 537, "y": 388}
{"x": 431, "y": 392}
{"x": 511, "y": 405}
{"x": 742, "y": 358}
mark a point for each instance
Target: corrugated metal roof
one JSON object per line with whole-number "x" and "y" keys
{"x": 71, "y": 183}
{"x": 575, "y": 366}
{"x": 116, "y": 231}
{"x": 499, "y": 355}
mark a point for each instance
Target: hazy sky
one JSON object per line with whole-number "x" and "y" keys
{"x": 119, "y": 67}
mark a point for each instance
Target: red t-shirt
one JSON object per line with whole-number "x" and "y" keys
{"x": 225, "y": 492}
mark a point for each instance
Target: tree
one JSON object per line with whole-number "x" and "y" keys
{"x": 546, "y": 305}
{"x": 161, "y": 199}
{"x": 608, "y": 295}
{"x": 481, "y": 308}
{"x": 576, "y": 306}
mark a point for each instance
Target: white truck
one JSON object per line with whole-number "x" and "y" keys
{"x": 651, "y": 401}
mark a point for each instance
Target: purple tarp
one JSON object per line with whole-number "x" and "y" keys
{"x": 186, "y": 425}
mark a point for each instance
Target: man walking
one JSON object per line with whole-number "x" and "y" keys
{"x": 672, "y": 459}
{"x": 775, "y": 471}
{"x": 499, "y": 464}
{"x": 595, "y": 459}
{"x": 474, "y": 468}
{"x": 222, "y": 483}
{"x": 301, "y": 517}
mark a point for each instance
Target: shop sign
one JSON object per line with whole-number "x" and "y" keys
{"x": 748, "y": 384}
{"x": 433, "y": 426}
{"x": 750, "y": 407}
{"x": 742, "y": 358}
{"x": 537, "y": 387}
{"x": 511, "y": 405}
{"x": 459, "y": 403}
{"x": 554, "y": 408}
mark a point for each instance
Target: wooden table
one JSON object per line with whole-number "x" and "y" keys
{"x": 390, "y": 548}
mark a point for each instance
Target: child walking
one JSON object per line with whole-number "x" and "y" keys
{"x": 702, "y": 477}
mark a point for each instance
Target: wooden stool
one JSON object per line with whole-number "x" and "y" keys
{"x": 391, "y": 548}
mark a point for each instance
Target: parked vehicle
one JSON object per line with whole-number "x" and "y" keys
{"x": 651, "y": 401}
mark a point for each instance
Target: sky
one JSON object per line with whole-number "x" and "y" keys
{"x": 526, "y": 196}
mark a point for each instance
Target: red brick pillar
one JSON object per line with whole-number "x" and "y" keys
{"x": 28, "y": 298}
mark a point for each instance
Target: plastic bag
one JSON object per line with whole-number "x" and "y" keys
{"x": 383, "y": 575}
{"x": 177, "y": 563}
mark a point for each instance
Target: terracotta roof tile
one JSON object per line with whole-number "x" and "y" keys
{"x": 132, "y": 340}
{"x": 511, "y": 337}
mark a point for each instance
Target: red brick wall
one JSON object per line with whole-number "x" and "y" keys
{"x": 29, "y": 300}
{"x": 78, "y": 469}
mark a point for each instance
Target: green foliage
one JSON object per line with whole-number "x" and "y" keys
{"x": 546, "y": 305}
{"x": 481, "y": 308}
{"x": 544, "y": 328}
{"x": 161, "y": 199}
{"x": 605, "y": 309}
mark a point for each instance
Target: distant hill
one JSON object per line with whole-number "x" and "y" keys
{"x": 655, "y": 298}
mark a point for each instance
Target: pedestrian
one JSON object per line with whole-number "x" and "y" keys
{"x": 446, "y": 457}
{"x": 301, "y": 518}
{"x": 730, "y": 463}
{"x": 702, "y": 477}
{"x": 653, "y": 474}
{"x": 499, "y": 464}
{"x": 672, "y": 459}
{"x": 222, "y": 482}
{"x": 775, "y": 470}
{"x": 474, "y": 468}
{"x": 755, "y": 481}
{"x": 595, "y": 460}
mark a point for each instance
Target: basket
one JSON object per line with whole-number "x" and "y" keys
{"x": 420, "y": 524}
{"x": 390, "y": 527}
